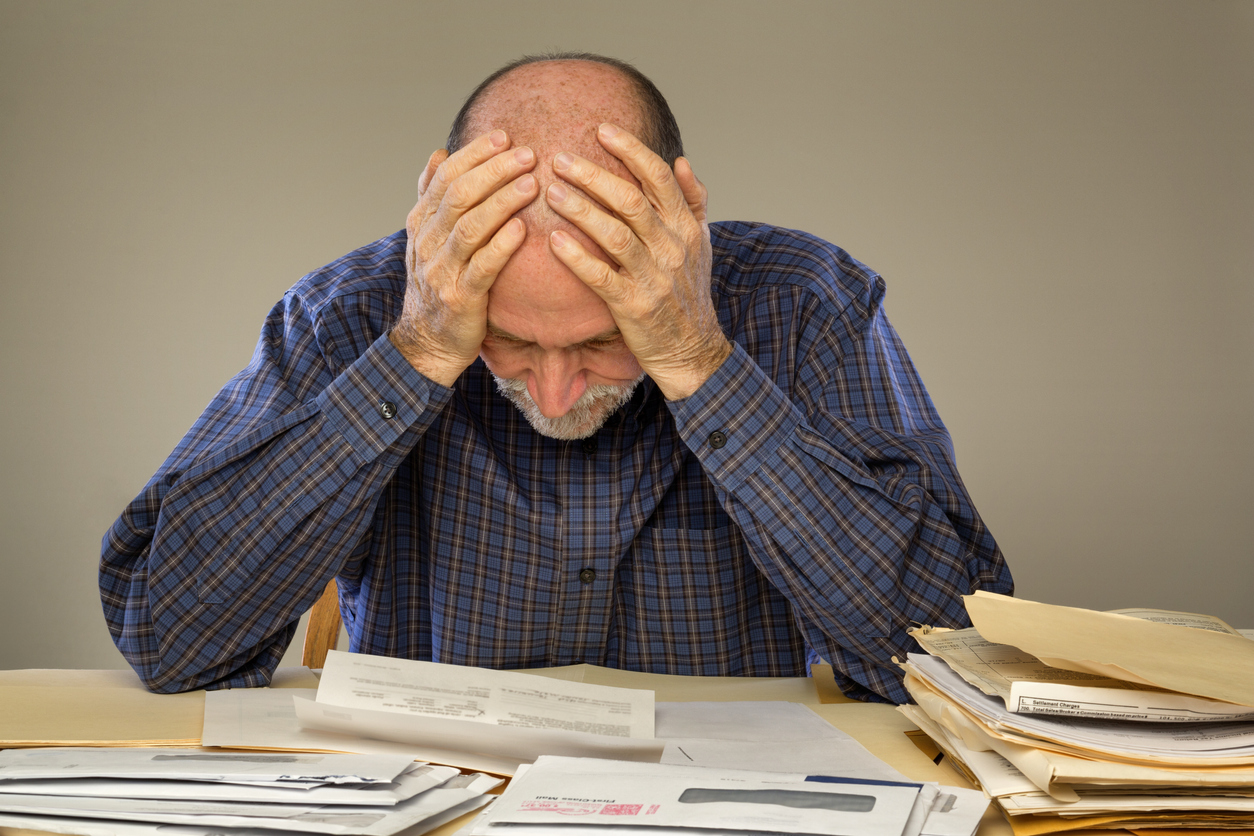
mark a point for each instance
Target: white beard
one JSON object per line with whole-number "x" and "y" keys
{"x": 587, "y": 415}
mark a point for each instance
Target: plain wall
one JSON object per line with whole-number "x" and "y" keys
{"x": 1060, "y": 196}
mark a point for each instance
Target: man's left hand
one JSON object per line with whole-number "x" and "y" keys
{"x": 658, "y": 233}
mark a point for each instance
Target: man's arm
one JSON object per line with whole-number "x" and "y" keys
{"x": 204, "y": 575}
{"x": 841, "y": 477}
{"x": 847, "y": 491}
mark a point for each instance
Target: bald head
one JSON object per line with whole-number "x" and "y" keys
{"x": 555, "y": 106}
{"x": 659, "y": 130}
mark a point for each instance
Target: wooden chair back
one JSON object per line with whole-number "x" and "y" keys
{"x": 323, "y": 630}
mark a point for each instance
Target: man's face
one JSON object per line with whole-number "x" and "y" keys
{"x": 553, "y": 347}
{"x": 552, "y": 344}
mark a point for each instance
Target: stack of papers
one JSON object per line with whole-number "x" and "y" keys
{"x": 588, "y": 797}
{"x": 89, "y": 791}
{"x": 474, "y": 717}
{"x": 1138, "y": 718}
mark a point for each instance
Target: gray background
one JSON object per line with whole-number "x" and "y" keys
{"x": 1059, "y": 195}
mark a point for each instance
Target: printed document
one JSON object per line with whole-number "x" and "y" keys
{"x": 508, "y": 715}
{"x": 1029, "y": 686}
{"x": 293, "y": 769}
{"x": 1197, "y": 744}
{"x": 1167, "y": 652}
{"x": 455, "y": 797}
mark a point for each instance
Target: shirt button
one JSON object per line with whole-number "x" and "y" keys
{"x": 387, "y": 409}
{"x": 590, "y": 447}
{"x": 587, "y": 575}
{"x": 717, "y": 439}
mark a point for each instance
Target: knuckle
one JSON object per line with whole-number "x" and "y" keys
{"x": 458, "y": 196}
{"x": 633, "y": 203}
{"x": 619, "y": 238}
{"x": 444, "y": 175}
{"x": 466, "y": 233}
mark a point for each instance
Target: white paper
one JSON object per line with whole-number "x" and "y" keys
{"x": 957, "y": 811}
{"x": 995, "y": 775}
{"x": 489, "y": 697}
{"x": 1197, "y": 743}
{"x": 1092, "y": 804}
{"x": 751, "y": 721}
{"x": 558, "y": 791}
{"x": 263, "y": 718}
{"x": 508, "y": 746}
{"x": 497, "y": 713}
{"x": 419, "y": 778}
{"x": 1029, "y": 686}
{"x": 456, "y": 797}
{"x": 189, "y": 764}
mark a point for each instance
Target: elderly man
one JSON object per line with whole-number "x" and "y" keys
{"x": 561, "y": 418}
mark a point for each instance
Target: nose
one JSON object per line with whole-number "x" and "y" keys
{"x": 556, "y": 382}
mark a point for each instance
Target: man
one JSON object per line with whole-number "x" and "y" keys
{"x": 561, "y": 418}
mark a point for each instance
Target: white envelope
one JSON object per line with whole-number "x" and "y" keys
{"x": 582, "y": 792}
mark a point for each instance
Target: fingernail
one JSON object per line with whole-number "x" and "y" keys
{"x": 557, "y": 192}
{"x": 608, "y": 130}
{"x": 563, "y": 161}
{"x": 559, "y": 238}
{"x": 523, "y": 155}
{"x": 525, "y": 183}
{"x": 498, "y": 138}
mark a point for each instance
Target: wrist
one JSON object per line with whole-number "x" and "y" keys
{"x": 433, "y": 365}
{"x": 685, "y": 380}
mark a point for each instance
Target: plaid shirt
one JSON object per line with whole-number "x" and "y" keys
{"x": 803, "y": 503}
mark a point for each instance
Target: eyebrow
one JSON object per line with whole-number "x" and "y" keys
{"x": 604, "y": 336}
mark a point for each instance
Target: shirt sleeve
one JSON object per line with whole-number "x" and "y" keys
{"x": 206, "y": 573}
{"x": 847, "y": 493}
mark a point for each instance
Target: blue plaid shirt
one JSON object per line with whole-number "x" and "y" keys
{"x": 804, "y": 502}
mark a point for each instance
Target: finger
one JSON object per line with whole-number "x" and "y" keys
{"x": 475, "y": 153}
{"x": 488, "y": 261}
{"x": 474, "y": 228}
{"x": 475, "y": 186}
{"x": 420, "y": 212}
{"x": 619, "y": 241}
{"x": 693, "y": 189}
{"x": 592, "y": 271}
{"x": 655, "y": 176}
{"x": 433, "y": 163}
{"x": 613, "y": 192}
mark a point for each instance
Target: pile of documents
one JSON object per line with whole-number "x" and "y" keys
{"x": 587, "y": 756}
{"x": 138, "y": 791}
{"x": 1071, "y": 718}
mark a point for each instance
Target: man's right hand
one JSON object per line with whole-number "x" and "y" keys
{"x": 460, "y": 236}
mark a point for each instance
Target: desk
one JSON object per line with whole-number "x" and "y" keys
{"x": 880, "y": 728}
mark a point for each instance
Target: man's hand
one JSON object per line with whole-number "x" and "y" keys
{"x": 460, "y": 236}
{"x": 658, "y": 233}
